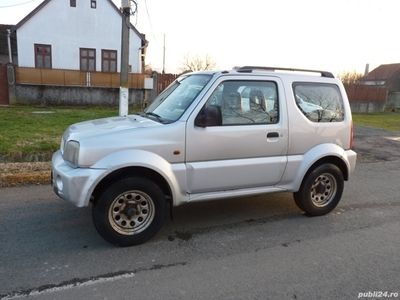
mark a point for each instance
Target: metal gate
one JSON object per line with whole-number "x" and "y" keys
{"x": 3, "y": 85}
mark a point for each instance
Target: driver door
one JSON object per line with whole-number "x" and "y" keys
{"x": 248, "y": 148}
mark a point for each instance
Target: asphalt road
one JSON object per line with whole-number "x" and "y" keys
{"x": 255, "y": 248}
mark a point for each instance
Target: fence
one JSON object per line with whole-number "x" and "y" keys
{"x": 393, "y": 102}
{"x": 364, "y": 98}
{"x": 164, "y": 80}
{"x": 3, "y": 84}
{"x": 365, "y": 93}
{"x": 58, "y": 77}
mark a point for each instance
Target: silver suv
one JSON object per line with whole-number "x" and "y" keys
{"x": 210, "y": 135}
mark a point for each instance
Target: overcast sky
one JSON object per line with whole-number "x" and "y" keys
{"x": 334, "y": 35}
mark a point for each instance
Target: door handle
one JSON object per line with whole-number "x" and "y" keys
{"x": 271, "y": 135}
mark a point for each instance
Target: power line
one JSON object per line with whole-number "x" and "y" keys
{"x": 18, "y": 4}
{"x": 134, "y": 11}
{"x": 150, "y": 23}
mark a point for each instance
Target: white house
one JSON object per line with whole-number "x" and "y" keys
{"x": 77, "y": 35}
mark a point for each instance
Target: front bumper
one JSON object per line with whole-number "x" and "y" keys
{"x": 74, "y": 185}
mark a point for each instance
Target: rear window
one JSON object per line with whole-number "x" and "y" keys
{"x": 319, "y": 102}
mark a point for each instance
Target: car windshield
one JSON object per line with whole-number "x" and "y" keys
{"x": 170, "y": 105}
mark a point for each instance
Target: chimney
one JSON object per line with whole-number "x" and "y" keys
{"x": 366, "y": 70}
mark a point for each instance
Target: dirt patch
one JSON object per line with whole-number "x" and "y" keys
{"x": 372, "y": 144}
{"x": 14, "y": 174}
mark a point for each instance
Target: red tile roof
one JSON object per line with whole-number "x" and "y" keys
{"x": 383, "y": 72}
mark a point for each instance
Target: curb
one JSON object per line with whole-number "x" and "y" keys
{"x": 18, "y": 174}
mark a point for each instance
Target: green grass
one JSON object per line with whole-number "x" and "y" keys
{"x": 388, "y": 120}
{"x": 26, "y": 135}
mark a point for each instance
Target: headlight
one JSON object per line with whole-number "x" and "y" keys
{"x": 71, "y": 152}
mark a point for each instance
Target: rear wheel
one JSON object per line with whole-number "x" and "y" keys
{"x": 130, "y": 211}
{"x": 321, "y": 190}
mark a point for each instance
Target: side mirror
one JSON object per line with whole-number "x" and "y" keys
{"x": 209, "y": 116}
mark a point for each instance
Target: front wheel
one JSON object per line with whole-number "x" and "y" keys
{"x": 321, "y": 190}
{"x": 130, "y": 211}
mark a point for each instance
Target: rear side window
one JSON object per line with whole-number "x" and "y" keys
{"x": 319, "y": 102}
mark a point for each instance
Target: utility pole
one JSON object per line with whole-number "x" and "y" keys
{"x": 10, "y": 72}
{"x": 163, "y": 63}
{"x": 10, "y": 58}
{"x": 123, "y": 86}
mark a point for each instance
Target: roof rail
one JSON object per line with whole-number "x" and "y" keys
{"x": 249, "y": 69}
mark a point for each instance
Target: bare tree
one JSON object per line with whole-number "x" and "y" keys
{"x": 148, "y": 69}
{"x": 197, "y": 63}
{"x": 350, "y": 77}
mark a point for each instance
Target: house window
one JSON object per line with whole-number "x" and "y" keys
{"x": 93, "y": 3}
{"x": 87, "y": 59}
{"x": 72, "y": 3}
{"x": 43, "y": 56}
{"x": 109, "y": 60}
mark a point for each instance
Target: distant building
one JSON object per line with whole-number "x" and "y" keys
{"x": 77, "y": 35}
{"x": 68, "y": 52}
{"x": 384, "y": 75}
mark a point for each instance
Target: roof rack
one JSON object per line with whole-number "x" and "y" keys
{"x": 249, "y": 69}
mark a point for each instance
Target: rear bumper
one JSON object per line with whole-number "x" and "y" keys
{"x": 74, "y": 185}
{"x": 351, "y": 159}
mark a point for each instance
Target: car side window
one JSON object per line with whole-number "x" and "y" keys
{"x": 246, "y": 102}
{"x": 319, "y": 102}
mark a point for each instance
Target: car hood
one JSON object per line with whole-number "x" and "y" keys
{"x": 107, "y": 126}
{"x": 99, "y": 138}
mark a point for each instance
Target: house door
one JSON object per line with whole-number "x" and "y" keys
{"x": 3, "y": 85}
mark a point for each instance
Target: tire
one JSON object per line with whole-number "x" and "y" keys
{"x": 321, "y": 190}
{"x": 130, "y": 211}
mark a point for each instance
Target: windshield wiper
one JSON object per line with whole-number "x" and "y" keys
{"x": 158, "y": 117}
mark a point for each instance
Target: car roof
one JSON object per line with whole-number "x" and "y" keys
{"x": 294, "y": 73}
